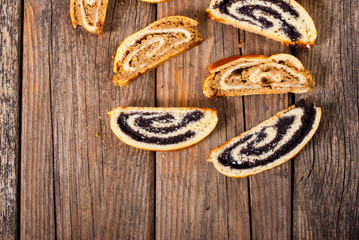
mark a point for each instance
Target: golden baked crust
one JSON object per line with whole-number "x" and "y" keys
{"x": 211, "y": 90}
{"x": 91, "y": 17}
{"x": 212, "y": 67}
{"x": 124, "y": 76}
{"x": 215, "y": 15}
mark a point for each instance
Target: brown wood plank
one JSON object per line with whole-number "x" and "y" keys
{"x": 270, "y": 191}
{"x": 10, "y": 55}
{"x": 129, "y": 173}
{"x": 37, "y": 201}
{"x": 193, "y": 200}
{"x": 326, "y": 174}
{"x": 104, "y": 188}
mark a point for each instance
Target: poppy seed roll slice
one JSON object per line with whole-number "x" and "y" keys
{"x": 269, "y": 144}
{"x": 162, "y": 129}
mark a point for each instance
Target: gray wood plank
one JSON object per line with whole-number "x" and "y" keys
{"x": 104, "y": 188}
{"x": 193, "y": 200}
{"x": 10, "y": 55}
{"x": 37, "y": 198}
{"x": 326, "y": 175}
{"x": 270, "y": 191}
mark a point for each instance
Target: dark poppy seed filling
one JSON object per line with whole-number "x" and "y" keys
{"x": 250, "y": 142}
{"x": 262, "y": 21}
{"x": 146, "y": 121}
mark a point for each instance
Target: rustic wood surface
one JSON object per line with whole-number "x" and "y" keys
{"x": 102, "y": 187}
{"x": 65, "y": 175}
{"x": 37, "y": 205}
{"x": 326, "y": 173}
{"x": 10, "y": 72}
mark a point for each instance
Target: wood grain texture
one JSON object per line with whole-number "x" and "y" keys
{"x": 326, "y": 176}
{"x": 10, "y": 55}
{"x": 270, "y": 191}
{"x": 129, "y": 173}
{"x": 37, "y": 198}
{"x": 78, "y": 181}
{"x": 193, "y": 200}
{"x": 104, "y": 188}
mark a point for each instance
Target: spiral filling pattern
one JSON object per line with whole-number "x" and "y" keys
{"x": 158, "y": 127}
{"x": 90, "y": 18}
{"x": 250, "y": 75}
{"x": 272, "y": 141}
{"x": 152, "y": 45}
{"x": 264, "y": 14}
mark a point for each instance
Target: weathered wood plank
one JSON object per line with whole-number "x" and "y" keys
{"x": 270, "y": 191}
{"x": 10, "y": 55}
{"x": 104, "y": 188}
{"x": 193, "y": 200}
{"x": 326, "y": 174}
{"x": 37, "y": 199}
{"x": 129, "y": 173}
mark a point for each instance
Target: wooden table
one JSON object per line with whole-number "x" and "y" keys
{"x": 64, "y": 174}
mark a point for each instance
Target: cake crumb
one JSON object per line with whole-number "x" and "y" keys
{"x": 241, "y": 43}
{"x": 98, "y": 135}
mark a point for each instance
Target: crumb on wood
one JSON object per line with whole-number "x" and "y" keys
{"x": 241, "y": 43}
{"x": 122, "y": 3}
{"x": 98, "y": 135}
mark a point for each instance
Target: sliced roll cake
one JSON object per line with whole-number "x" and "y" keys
{"x": 269, "y": 144}
{"x": 162, "y": 129}
{"x": 153, "y": 45}
{"x": 90, "y": 14}
{"x": 285, "y": 21}
{"x": 257, "y": 74}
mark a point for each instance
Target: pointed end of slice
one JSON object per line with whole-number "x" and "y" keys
{"x": 120, "y": 82}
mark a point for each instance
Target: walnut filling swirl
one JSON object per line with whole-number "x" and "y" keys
{"x": 152, "y": 45}
{"x": 89, "y": 13}
{"x": 256, "y": 74}
{"x": 89, "y": 21}
{"x": 252, "y": 75}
